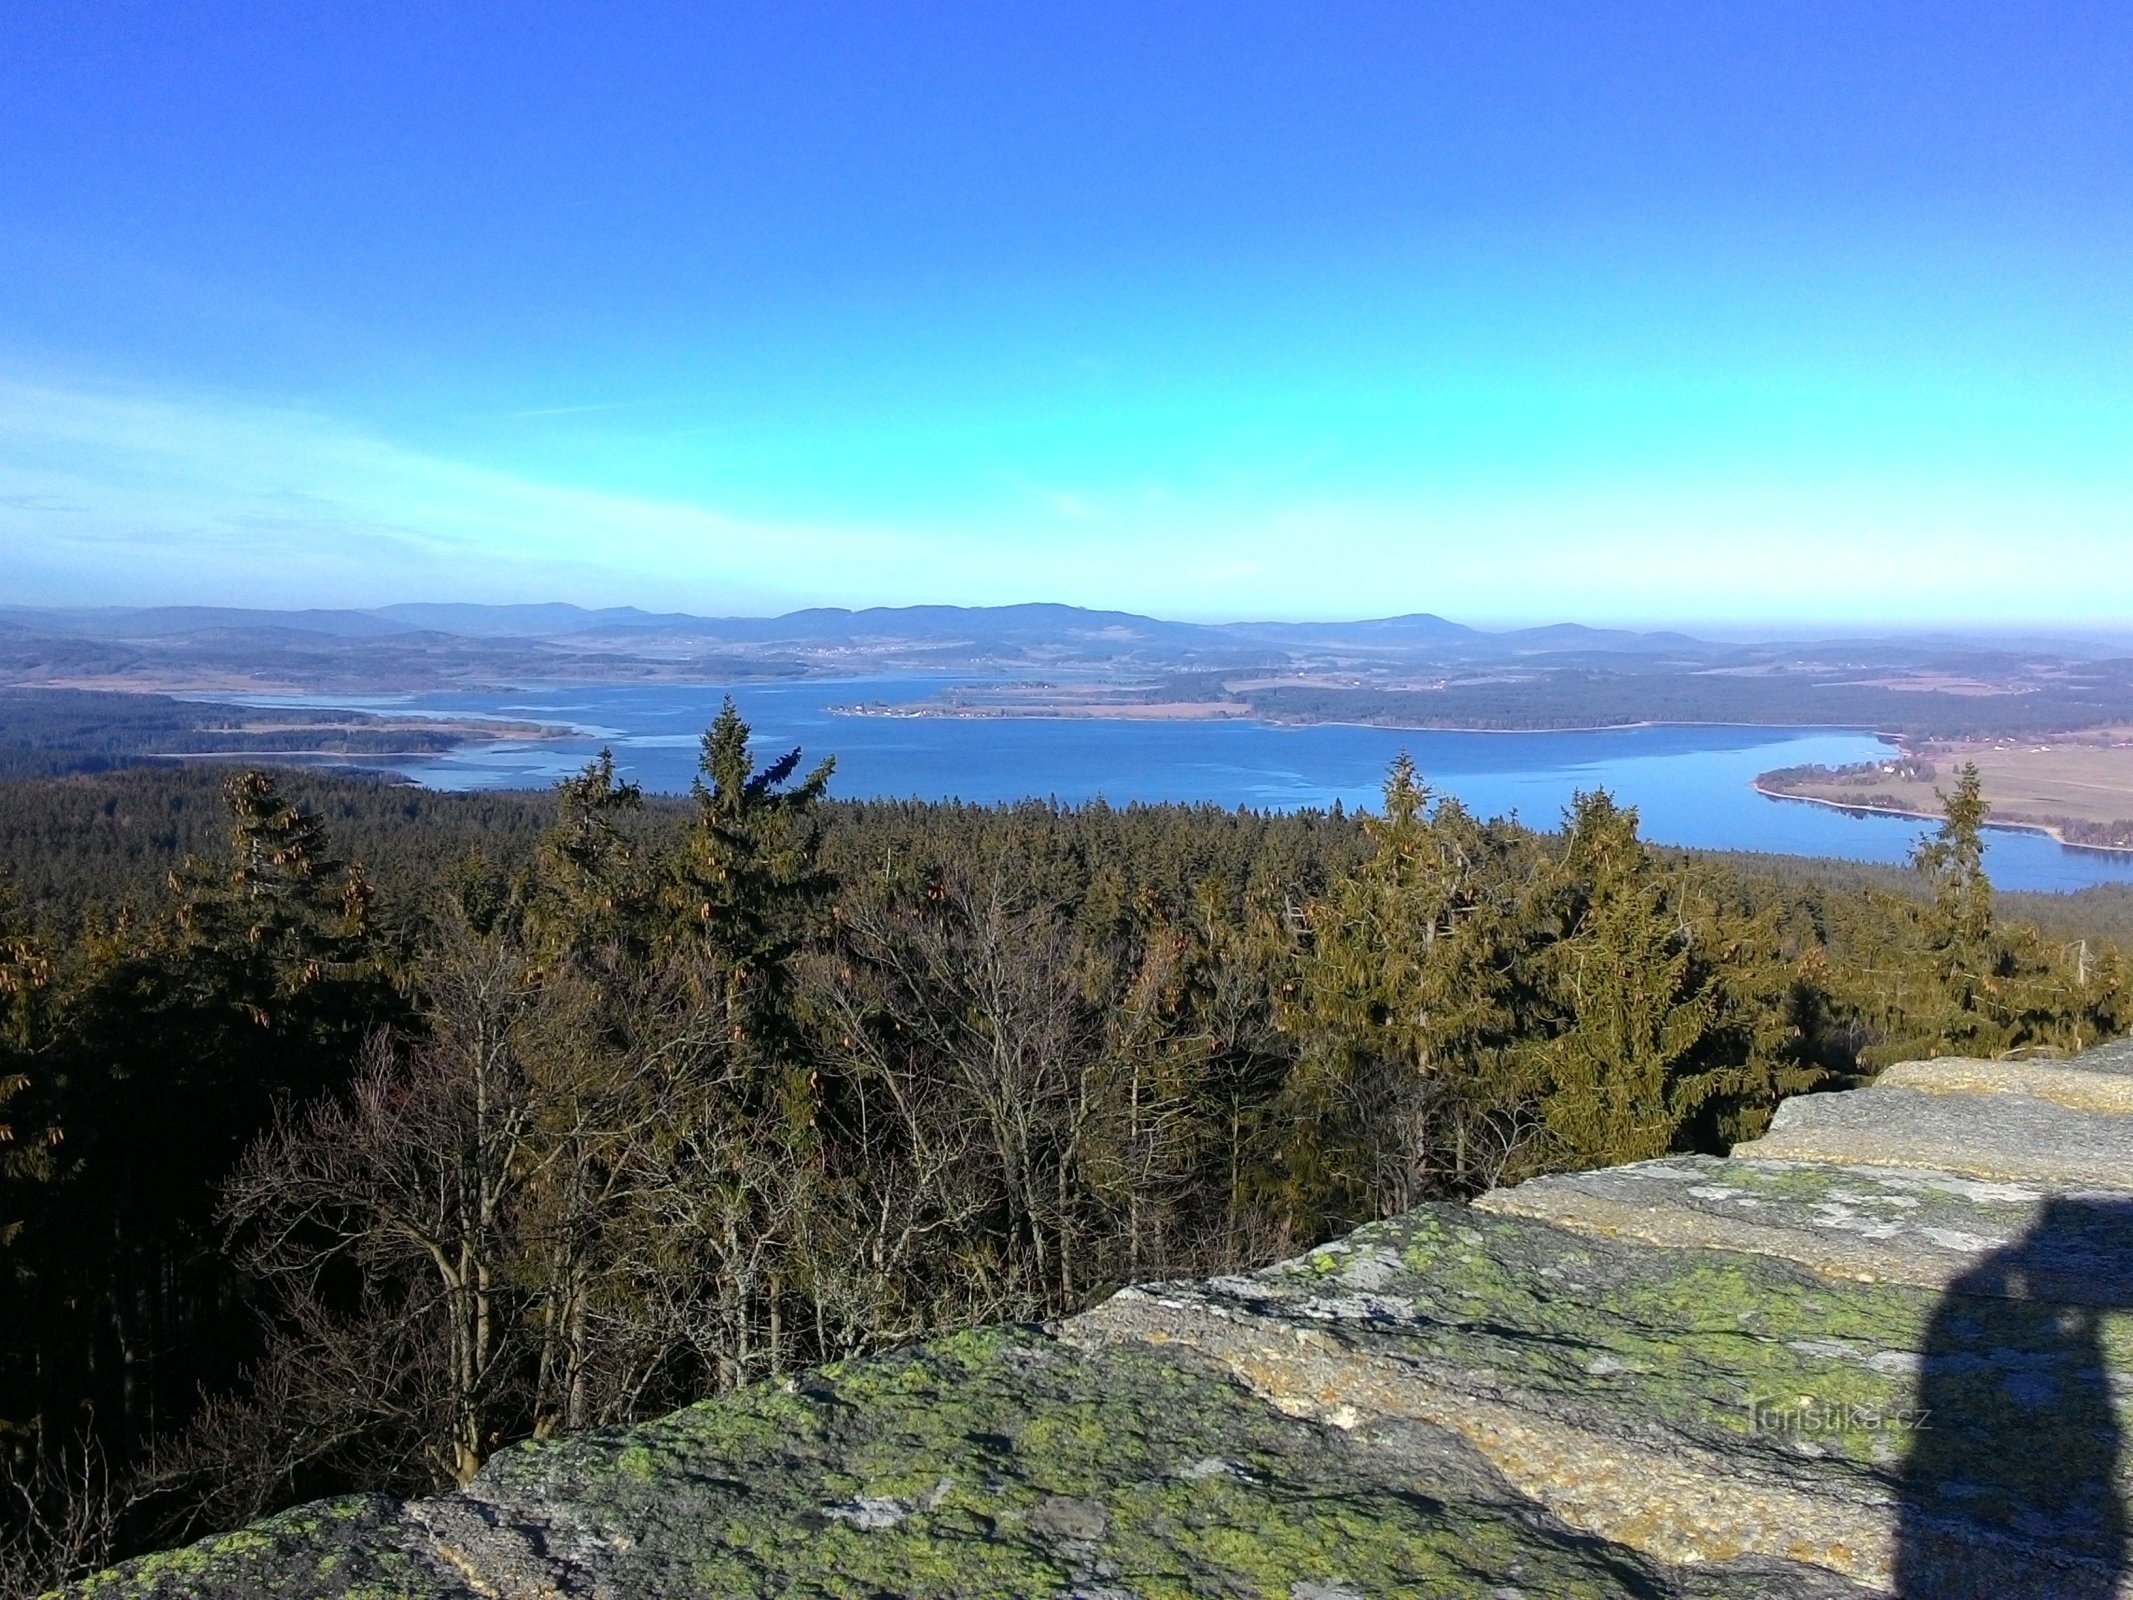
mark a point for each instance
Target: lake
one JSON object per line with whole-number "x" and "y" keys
{"x": 1690, "y": 784}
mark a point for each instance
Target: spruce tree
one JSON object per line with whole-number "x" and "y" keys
{"x": 592, "y": 882}
{"x": 1410, "y": 1004}
{"x": 748, "y": 888}
{"x": 1636, "y": 1005}
{"x": 1953, "y": 862}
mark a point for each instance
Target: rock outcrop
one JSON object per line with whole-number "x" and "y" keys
{"x": 1874, "y": 1352}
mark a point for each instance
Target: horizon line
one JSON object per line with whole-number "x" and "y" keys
{"x": 1729, "y": 630}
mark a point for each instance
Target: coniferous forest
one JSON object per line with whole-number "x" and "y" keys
{"x": 350, "y": 1133}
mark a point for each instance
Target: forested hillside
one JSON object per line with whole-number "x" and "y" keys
{"x": 560, "y": 1111}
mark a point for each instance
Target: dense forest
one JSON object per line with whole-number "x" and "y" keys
{"x": 1823, "y": 690}
{"x": 350, "y": 1132}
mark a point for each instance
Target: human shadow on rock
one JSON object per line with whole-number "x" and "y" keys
{"x": 2011, "y": 1482}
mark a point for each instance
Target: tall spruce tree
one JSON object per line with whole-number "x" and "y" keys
{"x": 1410, "y": 1005}
{"x": 1622, "y": 1068}
{"x": 1953, "y": 862}
{"x": 593, "y": 886}
{"x": 180, "y": 1037}
{"x": 748, "y": 888}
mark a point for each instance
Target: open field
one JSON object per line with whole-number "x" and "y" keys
{"x": 2078, "y": 787}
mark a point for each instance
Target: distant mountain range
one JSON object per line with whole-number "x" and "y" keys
{"x": 1012, "y": 624}
{"x": 1413, "y": 670}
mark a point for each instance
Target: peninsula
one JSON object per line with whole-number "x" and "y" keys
{"x": 2076, "y": 787}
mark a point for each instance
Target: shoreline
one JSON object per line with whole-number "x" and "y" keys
{"x": 1854, "y": 808}
{"x": 1005, "y": 714}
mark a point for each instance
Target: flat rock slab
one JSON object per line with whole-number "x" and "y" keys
{"x": 2006, "y": 1136}
{"x": 2087, "y": 1083}
{"x": 2115, "y": 1056}
{"x": 1003, "y": 1464}
{"x": 1867, "y": 1224}
{"x": 1700, "y": 1404}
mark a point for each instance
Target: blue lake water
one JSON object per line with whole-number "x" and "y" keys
{"x": 1690, "y": 784}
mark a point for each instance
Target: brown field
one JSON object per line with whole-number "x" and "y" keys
{"x": 2078, "y": 787}
{"x": 1937, "y": 682}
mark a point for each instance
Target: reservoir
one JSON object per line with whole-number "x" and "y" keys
{"x": 1691, "y": 784}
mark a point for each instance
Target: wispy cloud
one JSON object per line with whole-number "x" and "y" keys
{"x": 587, "y": 409}
{"x": 133, "y": 496}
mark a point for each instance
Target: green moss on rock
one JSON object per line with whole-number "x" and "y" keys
{"x": 995, "y": 1464}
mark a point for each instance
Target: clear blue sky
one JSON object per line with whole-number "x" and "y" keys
{"x": 1691, "y": 312}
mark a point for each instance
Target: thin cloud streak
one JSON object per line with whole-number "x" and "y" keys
{"x": 208, "y": 499}
{"x": 586, "y": 410}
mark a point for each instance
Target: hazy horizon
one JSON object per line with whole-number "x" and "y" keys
{"x": 1774, "y": 631}
{"x": 1814, "y": 320}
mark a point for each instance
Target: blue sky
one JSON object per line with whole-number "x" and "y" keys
{"x": 1723, "y": 314}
